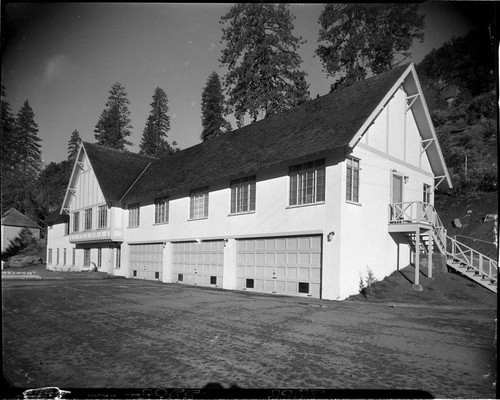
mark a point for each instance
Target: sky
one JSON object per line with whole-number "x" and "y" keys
{"x": 64, "y": 57}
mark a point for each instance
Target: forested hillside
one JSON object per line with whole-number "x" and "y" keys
{"x": 458, "y": 81}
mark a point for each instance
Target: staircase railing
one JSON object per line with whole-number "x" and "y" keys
{"x": 485, "y": 266}
{"x": 425, "y": 213}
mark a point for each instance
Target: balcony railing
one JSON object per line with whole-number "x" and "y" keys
{"x": 418, "y": 212}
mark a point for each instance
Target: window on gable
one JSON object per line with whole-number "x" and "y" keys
{"x": 88, "y": 219}
{"x": 198, "y": 207}
{"x": 243, "y": 195}
{"x": 133, "y": 214}
{"x": 427, "y": 193}
{"x": 307, "y": 183}
{"x": 161, "y": 210}
{"x": 102, "y": 217}
{"x": 352, "y": 180}
{"x": 76, "y": 221}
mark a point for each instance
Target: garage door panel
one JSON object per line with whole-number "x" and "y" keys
{"x": 200, "y": 263}
{"x": 292, "y": 264}
{"x": 146, "y": 260}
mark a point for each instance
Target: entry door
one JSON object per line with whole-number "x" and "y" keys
{"x": 397, "y": 188}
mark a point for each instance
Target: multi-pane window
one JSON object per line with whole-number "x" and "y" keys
{"x": 133, "y": 214}
{"x": 307, "y": 183}
{"x": 161, "y": 210}
{"x": 88, "y": 219}
{"x": 99, "y": 257}
{"x": 427, "y": 193}
{"x": 199, "y": 203}
{"x": 49, "y": 257}
{"x": 102, "y": 217}
{"x": 352, "y": 180}
{"x": 243, "y": 195}
{"x": 64, "y": 256}
{"x": 86, "y": 257}
{"x": 76, "y": 221}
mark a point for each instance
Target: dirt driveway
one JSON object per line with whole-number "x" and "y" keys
{"x": 120, "y": 333}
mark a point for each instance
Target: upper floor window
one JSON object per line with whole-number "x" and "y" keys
{"x": 76, "y": 221}
{"x": 102, "y": 217}
{"x": 198, "y": 207}
{"x": 243, "y": 195}
{"x": 427, "y": 193}
{"x": 307, "y": 183}
{"x": 133, "y": 214}
{"x": 352, "y": 180}
{"x": 88, "y": 219}
{"x": 161, "y": 210}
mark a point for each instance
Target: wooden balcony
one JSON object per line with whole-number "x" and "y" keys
{"x": 409, "y": 216}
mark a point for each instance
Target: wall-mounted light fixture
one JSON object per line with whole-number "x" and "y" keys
{"x": 407, "y": 178}
{"x": 330, "y": 236}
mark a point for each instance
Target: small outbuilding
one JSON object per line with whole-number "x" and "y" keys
{"x": 13, "y": 222}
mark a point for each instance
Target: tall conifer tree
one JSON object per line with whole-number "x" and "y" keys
{"x": 213, "y": 108}
{"x": 154, "y": 141}
{"x": 29, "y": 142}
{"x": 264, "y": 75}
{"x": 114, "y": 127}
{"x": 74, "y": 145}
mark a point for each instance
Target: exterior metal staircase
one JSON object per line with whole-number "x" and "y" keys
{"x": 418, "y": 218}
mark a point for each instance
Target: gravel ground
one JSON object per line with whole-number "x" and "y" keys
{"x": 123, "y": 333}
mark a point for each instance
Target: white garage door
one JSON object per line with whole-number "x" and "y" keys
{"x": 198, "y": 263}
{"x": 285, "y": 265}
{"x": 146, "y": 261}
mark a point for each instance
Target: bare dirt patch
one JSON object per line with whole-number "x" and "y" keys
{"x": 138, "y": 334}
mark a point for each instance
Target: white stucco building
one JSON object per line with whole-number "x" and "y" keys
{"x": 301, "y": 203}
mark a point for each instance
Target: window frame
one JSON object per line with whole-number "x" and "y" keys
{"x": 76, "y": 221}
{"x": 88, "y": 220}
{"x": 352, "y": 193}
{"x": 86, "y": 257}
{"x": 427, "y": 193}
{"x": 307, "y": 183}
{"x": 198, "y": 203}
{"x": 243, "y": 195}
{"x": 102, "y": 217}
{"x": 134, "y": 215}
{"x": 162, "y": 209}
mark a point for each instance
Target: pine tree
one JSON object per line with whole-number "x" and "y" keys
{"x": 74, "y": 145}
{"x": 8, "y": 137}
{"x": 154, "y": 141}
{"x": 212, "y": 109}
{"x": 361, "y": 39}
{"x": 261, "y": 57}
{"x": 28, "y": 145}
{"x": 113, "y": 126}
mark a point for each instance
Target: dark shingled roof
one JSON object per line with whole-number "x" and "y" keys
{"x": 326, "y": 123}
{"x": 116, "y": 170}
{"x": 56, "y": 218}
{"x": 12, "y": 217}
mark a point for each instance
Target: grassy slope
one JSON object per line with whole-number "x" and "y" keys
{"x": 446, "y": 288}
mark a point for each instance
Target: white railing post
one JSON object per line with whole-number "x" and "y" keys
{"x": 480, "y": 264}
